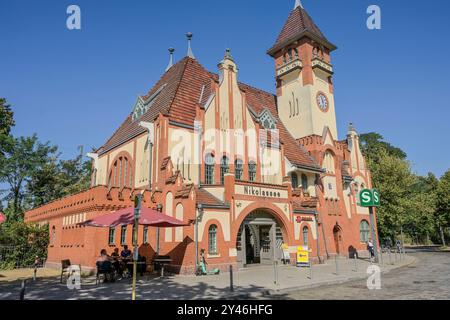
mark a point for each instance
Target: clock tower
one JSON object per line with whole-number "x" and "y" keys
{"x": 304, "y": 76}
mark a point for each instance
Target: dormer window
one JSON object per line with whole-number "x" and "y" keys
{"x": 267, "y": 120}
{"x": 141, "y": 106}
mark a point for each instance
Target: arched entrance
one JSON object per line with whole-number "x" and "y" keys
{"x": 259, "y": 239}
{"x": 337, "y": 234}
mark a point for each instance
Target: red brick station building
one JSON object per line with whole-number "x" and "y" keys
{"x": 282, "y": 180}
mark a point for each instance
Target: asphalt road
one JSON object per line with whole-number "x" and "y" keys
{"x": 427, "y": 279}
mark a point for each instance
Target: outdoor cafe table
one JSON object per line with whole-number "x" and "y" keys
{"x": 162, "y": 261}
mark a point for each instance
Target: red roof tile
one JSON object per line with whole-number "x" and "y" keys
{"x": 206, "y": 198}
{"x": 188, "y": 84}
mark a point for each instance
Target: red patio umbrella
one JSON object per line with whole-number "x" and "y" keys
{"x": 2, "y": 218}
{"x": 148, "y": 217}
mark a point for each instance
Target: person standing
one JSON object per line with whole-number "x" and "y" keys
{"x": 370, "y": 248}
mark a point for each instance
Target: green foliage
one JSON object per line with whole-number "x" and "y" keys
{"x": 6, "y": 118}
{"x": 26, "y": 157}
{"x": 373, "y": 143}
{"x": 443, "y": 201}
{"x": 20, "y": 243}
{"x": 408, "y": 201}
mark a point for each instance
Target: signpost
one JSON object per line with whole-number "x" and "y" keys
{"x": 370, "y": 199}
{"x": 137, "y": 213}
{"x": 302, "y": 256}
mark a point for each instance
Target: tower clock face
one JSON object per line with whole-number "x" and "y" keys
{"x": 322, "y": 102}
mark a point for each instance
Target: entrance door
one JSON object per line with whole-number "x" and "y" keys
{"x": 266, "y": 244}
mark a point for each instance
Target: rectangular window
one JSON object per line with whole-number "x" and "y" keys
{"x": 123, "y": 235}
{"x": 209, "y": 174}
{"x": 145, "y": 236}
{"x": 112, "y": 236}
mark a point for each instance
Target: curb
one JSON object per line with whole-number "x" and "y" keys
{"x": 273, "y": 292}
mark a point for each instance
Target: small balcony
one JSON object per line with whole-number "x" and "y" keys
{"x": 289, "y": 66}
{"x": 320, "y": 64}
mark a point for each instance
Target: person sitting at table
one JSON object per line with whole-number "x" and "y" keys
{"x": 117, "y": 262}
{"x": 104, "y": 264}
{"x": 127, "y": 257}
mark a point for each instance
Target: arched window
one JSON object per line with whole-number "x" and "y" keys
{"x": 223, "y": 169}
{"x": 212, "y": 239}
{"x": 121, "y": 175}
{"x": 209, "y": 169}
{"x": 294, "y": 180}
{"x": 53, "y": 236}
{"x": 305, "y": 236}
{"x": 304, "y": 183}
{"x": 364, "y": 229}
{"x": 238, "y": 168}
{"x": 252, "y": 171}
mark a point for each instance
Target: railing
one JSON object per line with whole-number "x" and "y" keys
{"x": 319, "y": 63}
{"x": 289, "y": 66}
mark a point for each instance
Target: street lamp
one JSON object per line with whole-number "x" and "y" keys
{"x": 159, "y": 207}
{"x": 198, "y": 218}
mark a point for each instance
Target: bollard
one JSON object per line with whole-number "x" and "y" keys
{"x": 22, "y": 290}
{"x": 337, "y": 267}
{"x": 275, "y": 272}
{"x": 356, "y": 263}
{"x": 310, "y": 270}
{"x": 231, "y": 278}
{"x": 34, "y": 274}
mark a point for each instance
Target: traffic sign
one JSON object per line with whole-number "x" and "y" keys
{"x": 369, "y": 198}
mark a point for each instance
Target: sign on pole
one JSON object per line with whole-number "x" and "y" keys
{"x": 369, "y": 198}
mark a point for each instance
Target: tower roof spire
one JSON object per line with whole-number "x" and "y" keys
{"x": 298, "y": 25}
{"x": 171, "y": 51}
{"x": 189, "y": 36}
{"x": 298, "y": 3}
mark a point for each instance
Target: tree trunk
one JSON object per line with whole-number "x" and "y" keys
{"x": 442, "y": 235}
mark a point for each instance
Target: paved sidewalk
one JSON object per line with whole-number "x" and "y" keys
{"x": 248, "y": 283}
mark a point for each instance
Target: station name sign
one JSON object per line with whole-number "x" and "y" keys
{"x": 256, "y": 191}
{"x": 261, "y": 192}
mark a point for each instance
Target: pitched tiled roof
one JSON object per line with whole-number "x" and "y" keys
{"x": 299, "y": 24}
{"x": 183, "y": 85}
{"x": 305, "y": 205}
{"x": 187, "y": 85}
{"x": 207, "y": 199}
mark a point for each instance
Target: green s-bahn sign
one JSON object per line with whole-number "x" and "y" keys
{"x": 369, "y": 198}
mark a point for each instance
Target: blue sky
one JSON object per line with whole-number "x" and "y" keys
{"x": 76, "y": 87}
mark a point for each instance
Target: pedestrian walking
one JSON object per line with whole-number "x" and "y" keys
{"x": 370, "y": 248}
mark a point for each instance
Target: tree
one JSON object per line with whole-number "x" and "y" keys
{"x": 373, "y": 143}
{"x": 6, "y": 118}
{"x": 57, "y": 179}
{"x": 443, "y": 203}
{"x": 407, "y": 200}
{"x": 26, "y": 156}
{"x": 392, "y": 177}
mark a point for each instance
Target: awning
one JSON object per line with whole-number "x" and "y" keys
{"x": 148, "y": 217}
{"x": 2, "y": 218}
